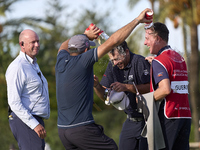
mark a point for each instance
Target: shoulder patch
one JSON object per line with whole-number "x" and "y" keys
{"x": 160, "y": 74}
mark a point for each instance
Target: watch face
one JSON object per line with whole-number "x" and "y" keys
{"x": 106, "y": 91}
{"x": 106, "y": 96}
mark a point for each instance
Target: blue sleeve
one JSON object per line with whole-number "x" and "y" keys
{"x": 159, "y": 72}
{"x": 62, "y": 54}
{"x": 61, "y": 59}
{"x": 89, "y": 58}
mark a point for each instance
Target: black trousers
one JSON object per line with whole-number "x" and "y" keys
{"x": 88, "y": 137}
{"x": 26, "y": 137}
{"x": 176, "y": 132}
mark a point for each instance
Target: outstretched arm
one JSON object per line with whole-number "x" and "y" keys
{"x": 120, "y": 35}
{"x": 91, "y": 34}
{"x": 64, "y": 45}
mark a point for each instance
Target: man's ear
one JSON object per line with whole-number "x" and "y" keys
{"x": 21, "y": 43}
{"x": 127, "y": 52}
{"x": 158, "y": 38}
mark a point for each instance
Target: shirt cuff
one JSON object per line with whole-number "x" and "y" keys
{"x": 32, "y": 123}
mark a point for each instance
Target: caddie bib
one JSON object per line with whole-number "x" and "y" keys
{"x": 176, "y": 103}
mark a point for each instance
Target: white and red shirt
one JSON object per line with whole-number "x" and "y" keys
{"x": 170, "y": 64}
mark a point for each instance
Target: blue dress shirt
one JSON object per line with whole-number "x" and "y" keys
{"x": 27, "y": 90}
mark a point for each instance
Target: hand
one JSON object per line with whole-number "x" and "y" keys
{"x": 136, "y": 99}
{"x": 141, "y": 18}
{"x": 96, "y": 81}
{"x": 119, "y": 87}
{"x": 150, "y": 58}
{"x": 39, "y": 129}
{"x": 92, "y": 33}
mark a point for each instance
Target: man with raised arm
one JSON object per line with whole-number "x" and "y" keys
{"x": 74, "y": 87}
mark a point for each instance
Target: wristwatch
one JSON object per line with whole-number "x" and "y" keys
{"x": 106, "y": 93}
{"x": 106, "y": 96}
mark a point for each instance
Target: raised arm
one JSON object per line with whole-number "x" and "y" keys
{"x": 120, "y": 35}
{"x": 91, "y": 34}
{"x": 64, "y": 45}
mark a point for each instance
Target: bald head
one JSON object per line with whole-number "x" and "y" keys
{"x": 25, "y": 34}
{"x": 29, "y": 42}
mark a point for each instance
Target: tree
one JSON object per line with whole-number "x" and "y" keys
{"x": 194, "y": 67}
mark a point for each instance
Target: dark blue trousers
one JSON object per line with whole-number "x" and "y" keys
{"x": 26, "y": 137}
{"x": 176, "y": 132}
{"x": 130, "y": 136}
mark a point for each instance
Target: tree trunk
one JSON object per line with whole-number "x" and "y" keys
{"x": 194, "y": 79}
{"x": 185, "y": 40}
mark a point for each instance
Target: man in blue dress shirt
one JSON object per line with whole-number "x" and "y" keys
{"x": 28, "y": 95}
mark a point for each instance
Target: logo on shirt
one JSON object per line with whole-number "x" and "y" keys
{"x": 146, "y": 72}
{"x": 130, "y": 77}
{"x": 160, "y": 74}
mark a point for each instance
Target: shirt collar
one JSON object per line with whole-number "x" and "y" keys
{"x": 28, "y": 58}
{"x": 162, "y": 49}
{"x": 129, "y": 65}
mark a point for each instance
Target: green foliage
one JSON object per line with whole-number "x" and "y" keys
{"x": 6, "y": 136}
{"x": 5, "y": 6}
{"x": 3, "y": 97}
{"x": 192, "y": 134}
{"x": 112, "y": 121}
{"x": 52, "y": 132}
{"x": 99, "y": 69}
{"x": 52, "y": 32}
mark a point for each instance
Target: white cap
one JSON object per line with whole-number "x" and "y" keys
{"x": 119, "y": 100}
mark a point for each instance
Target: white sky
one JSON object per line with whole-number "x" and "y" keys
{"x": 121, "y": 14}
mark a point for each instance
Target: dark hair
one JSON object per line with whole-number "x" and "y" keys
{"x": 120, "y": 48}
{"x": 161, "y": 30}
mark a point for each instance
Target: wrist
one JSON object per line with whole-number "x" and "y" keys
{"x": 85, "y": 35}
{"x": 91, "y": 39}
{"x": 137, "y": 20}
{"x": 96, "y": 85}
{"x": 106, "y": 93}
